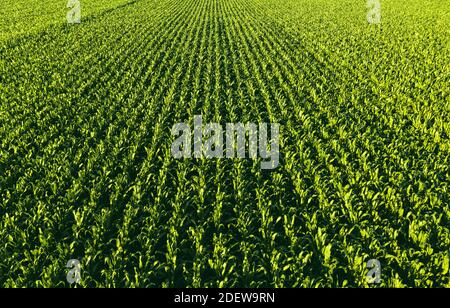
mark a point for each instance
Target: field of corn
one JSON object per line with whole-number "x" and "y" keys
{"x": 86, "y": 170}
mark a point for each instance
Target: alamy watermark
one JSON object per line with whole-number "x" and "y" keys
{"x": 235, "y": 134}
{"x": 74, "y": 14}
{"x": 74, "y": 274}
{"x": 374, "y": 13}
{"x": 374, "y": 274}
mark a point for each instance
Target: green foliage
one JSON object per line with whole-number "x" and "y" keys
{"x": 86, "y": 170}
